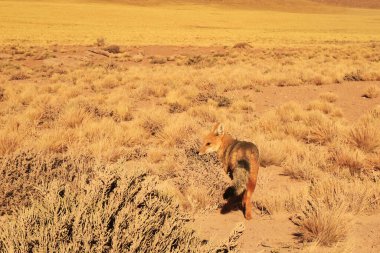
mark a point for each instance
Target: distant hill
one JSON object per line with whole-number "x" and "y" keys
{"x": 276, "y": 4}
{"x": 353, "y": 3}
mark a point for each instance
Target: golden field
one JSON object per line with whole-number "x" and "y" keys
{"x": 103, "y": 107}
{"x": 76, "y": 22}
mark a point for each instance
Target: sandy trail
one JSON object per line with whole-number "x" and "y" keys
{"x": 262, "y": 234}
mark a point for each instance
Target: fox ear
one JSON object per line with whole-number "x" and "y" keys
{"x": 219, "y": 129}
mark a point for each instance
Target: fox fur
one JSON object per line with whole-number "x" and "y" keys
{"x": 240, "y": 160}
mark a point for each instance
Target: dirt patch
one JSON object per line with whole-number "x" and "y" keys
{"x": 365, "y": 234}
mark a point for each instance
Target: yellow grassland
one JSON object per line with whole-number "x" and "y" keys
{"x": 193, "y": 24}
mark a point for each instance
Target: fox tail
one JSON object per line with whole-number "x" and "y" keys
{"x": 240, "y": 179}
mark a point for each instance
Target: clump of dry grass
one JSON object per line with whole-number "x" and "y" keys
{"x": 153, "y": 125}
{"x": 365, "y": 136}
{"x": 9, "y": 142}
{"x": 356, "y": 75}
{"x": 372, "y": 92}
{"x": 100, "y": 42}
{"x": 321, "y": 129}
{"x": 326, "y": 217}
{"x": 291, "y": 200}
{"x": 274, "y": 152}
{"x": 357, "y": 196}
{"x": 73, "y": 117}
{"x": 176, "y": 108}
{"x": 113, "y": 49}
{"x": 301, "y": 168}
{"x": 326, "y": 107}
{"x": 243, "y": 45}
{"x": 308, "y": 126}
{"x": 328, "y": 96}
{"x": 158, "y": 60}
{"x": 243, "y": 106}
{"x": 19, "y": 76}
{"x": 291, "y": 111}
{"x": 347, "y": 157}
{"x": 323, "y": 226}
{"x": 116, "y": 211}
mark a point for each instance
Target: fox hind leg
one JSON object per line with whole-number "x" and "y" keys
{"x": 246, "y": 201}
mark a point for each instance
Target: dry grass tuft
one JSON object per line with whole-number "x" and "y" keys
{"x": 19, "y": 76}
{"x": 349, "y": 197}
{"x": 274, "y": 152}
{"x": 321, "y": 129}
{"x": 356, "y": 76}
{"x": 158, "y": 60}
{"x": 9, "y": 142}
{"x": 325, "y": 218}
{"x": 152, "y": 125}
{"x": 372, "y": 92}
{"x": 113, "y": 49}
{"x": 326, "y": 107}
{"x": 324, "y": 226}
{"x": 347, "y": 157}
{"x": 328, "y": 97}
{"x": 301, "y": 168}
{"x": 100, "y": 42}
{"x": 243, "y": 45}
{"x": 365, "y": 136}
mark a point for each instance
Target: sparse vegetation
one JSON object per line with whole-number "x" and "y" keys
{"x": 101, "y": 42}
{"x": 329, "y": 97}
{"x": 98, "y": 141}
{"x": 113, "y": 49}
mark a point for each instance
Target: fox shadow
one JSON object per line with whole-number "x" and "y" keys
{"x": 234, "y": 201}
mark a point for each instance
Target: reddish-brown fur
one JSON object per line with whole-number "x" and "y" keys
{"x": 235, "y": 154}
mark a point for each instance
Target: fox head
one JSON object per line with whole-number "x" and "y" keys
{"x": 213, "y": 140}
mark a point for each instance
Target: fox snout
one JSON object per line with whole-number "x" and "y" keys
{"x": 201, "y": 152}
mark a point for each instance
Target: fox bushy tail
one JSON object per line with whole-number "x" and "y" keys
{"x": 240, "y": 179}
